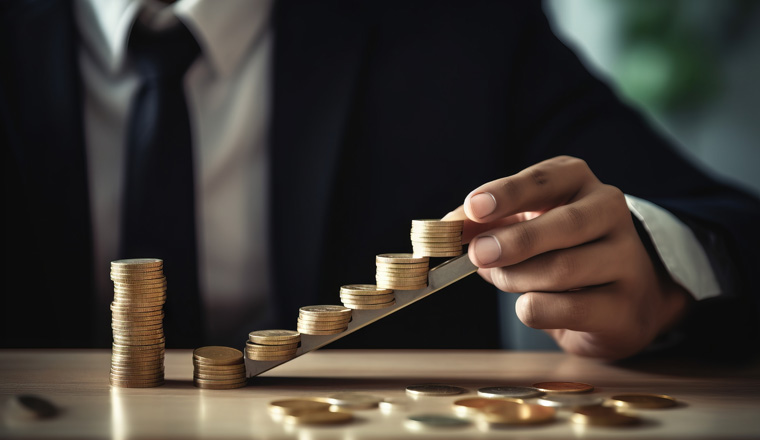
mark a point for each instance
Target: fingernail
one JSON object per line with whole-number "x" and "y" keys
{"x": 482, "y": 204}
{"x": 487, "y": 249}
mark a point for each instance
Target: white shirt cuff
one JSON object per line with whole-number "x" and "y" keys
{"x": 678, "y": 248}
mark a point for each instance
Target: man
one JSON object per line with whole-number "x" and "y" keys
{"x": 319, "y": 130}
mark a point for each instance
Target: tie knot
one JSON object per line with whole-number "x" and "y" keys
{"x": 162, "y": 53}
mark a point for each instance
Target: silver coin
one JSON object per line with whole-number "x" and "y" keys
{"x": 435, "y": 421}
{"x": 565, "y": 401}
{"x": 514, "y": 392}
{"x": 434, "y": 390}
{"x": 353, "y": 400}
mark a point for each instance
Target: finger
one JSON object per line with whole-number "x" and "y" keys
{"x": 540, "y": 187}
{"x": 471, "y": 228}
{"x": 582, "y": 221}
{"x": 591, "y": 264}
{"x": 594, "y": 309}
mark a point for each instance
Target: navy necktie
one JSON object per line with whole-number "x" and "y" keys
{"x": 159, "y": 204}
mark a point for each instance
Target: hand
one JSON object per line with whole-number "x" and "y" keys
{"x": 567, "y": 242}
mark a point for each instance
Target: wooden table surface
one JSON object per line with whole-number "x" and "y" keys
{"x": 716, "y": 401}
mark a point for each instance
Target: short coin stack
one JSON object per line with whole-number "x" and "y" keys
{"x": 366, "y": 296}
{"x": 437, "y": 238}
{"x": 401, "y": 271}
{"x": 323, "y": 320}
{"x": 137, "y": 359}
{"x": 218, "y": 368}
{"x": 272, "y": 345}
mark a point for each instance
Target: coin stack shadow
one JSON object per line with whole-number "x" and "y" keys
{"x": 218, "y": 368}
{"x": 323, "y": 320}
{"x": 437, "y": 238}
{"x": 137, "y": 358}
{"x": 401, "y": 271}
{"x": 366, "y": 297}
{"x": 272, "y": 345}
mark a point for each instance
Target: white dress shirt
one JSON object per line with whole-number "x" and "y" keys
{"x": 228, "y": 89}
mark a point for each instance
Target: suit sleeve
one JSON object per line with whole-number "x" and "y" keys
{"x": 560, "y": 108}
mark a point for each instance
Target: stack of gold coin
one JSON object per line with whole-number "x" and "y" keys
{"x": 366, "y": 296}
{"x": 272, "y": 345}
{"x": 437, "y": 238}
{"x": 401, "y": 271}
{"x": 323, "y": 320}
{"x": 137, "y": 359}
{"x": 218, "y": 368}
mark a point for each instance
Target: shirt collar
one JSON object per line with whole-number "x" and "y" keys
{"x": 224, "y": 33}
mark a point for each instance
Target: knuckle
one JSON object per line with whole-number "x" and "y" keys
{"x": 561, "y": 267}
{"x": 522, "y": 242}
{"x": 576, "y": 217}
{"x": 510, "y": 188}
{"x": 538, "y": 176}
{"x": 504, "y": 281}
{"x": 616, "y": 200}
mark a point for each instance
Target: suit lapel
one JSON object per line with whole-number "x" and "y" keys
{"x": 318, "y": 55}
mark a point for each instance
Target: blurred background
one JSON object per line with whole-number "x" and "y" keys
{"x": 693, "y": 66}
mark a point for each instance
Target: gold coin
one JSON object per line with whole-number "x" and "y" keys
{"x": 274, "y": 337}
{"x": 318, "y": 418}
{"x": 363, "y": 289}
{"x": 137, "y": 332}
{"x": 308, "y": 331}
{"x": 270, "y": 358}
{"x": 353, "y": 400}
{"x": 271, "y": 353}
{"x": 136, "y": 354}
{"x": 435, "y": 234}
{"x": 370, "y": 306}
{"x": 225, "y": 369}
{"x": 414, "y": 271}
{"x": 399, "y": 258}
{"x": 320, "y": 325}
{"x": 133, "y": 383}
{"x": 135, "y": 309}
{"x": 291, "y": 406}
{"x": 137, "y": 276}
{"x": 602, "y": 416}
{"x": 511, "y": 413}
{"x": 139, "y": 290}
{"x": 257, "y": 347}
{"x": 220, "y": 386}
{"x": 217, "y": 355}
{"x": 324, "y": 310}
{"x": 563, "y": 387}
{"x": 637, "y": 400}
{"x": 129, "y": 263}
{"x": 436, "y": 246}
{"x": 129, "y": 315}
{"x": 434, "y": 390}
{"x": 401, "y": 275}
{"x": 146, "y": 376}
{"x": 139, "y": 301}
{"x": 319, "y": 318}
{"x": 234, "y": 381}
{"x": 473, "y": 405}
{"x": 438, "y": 224}
{"x": 138, "y": 367}
{"x": 128, "y": 283}
{"x": 121, "y": 347}
{"x": 374, "y": 299}
{"x": 569, "y": 400}
{"x": 213, "y": 376}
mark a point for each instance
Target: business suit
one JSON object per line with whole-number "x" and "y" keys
{"x": 378, "y": 112}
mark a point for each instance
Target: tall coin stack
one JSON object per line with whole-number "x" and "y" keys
{"x": 437, "y": 238}
{"x": 323, "y": 320}
{"x": 137, "y": 359}
{"x": 272, "y": 345}
{"x": 218, "y": 368}
{"x": 401, "y": 271}
{"x": 366, "y": 297}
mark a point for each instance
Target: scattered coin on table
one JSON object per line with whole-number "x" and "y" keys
{"x": 424, "y": 421}
{"x": 603, "y": 416}
{"x": 563, "y": 387}
{"x": 510, "y": 391}
{"x": 514, "y": 413}
{"x": 349, "y": 400}
{"x": 644, "y": 401}
{"x": 433, "y": 390}
{"x": 569, "y": 401}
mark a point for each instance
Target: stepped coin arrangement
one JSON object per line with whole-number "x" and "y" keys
{"x": 272, "y": 345}
{"x": 218, "y": 368}
{"x": 366, "y": 297}
{"x": 437, "y": 238}
{"x": 137, "y": 357}
{"x": 401, "y": 271}
{"x": 323, "y": 320}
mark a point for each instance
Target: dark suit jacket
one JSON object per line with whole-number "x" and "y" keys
{"x": 383, "y": 112}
